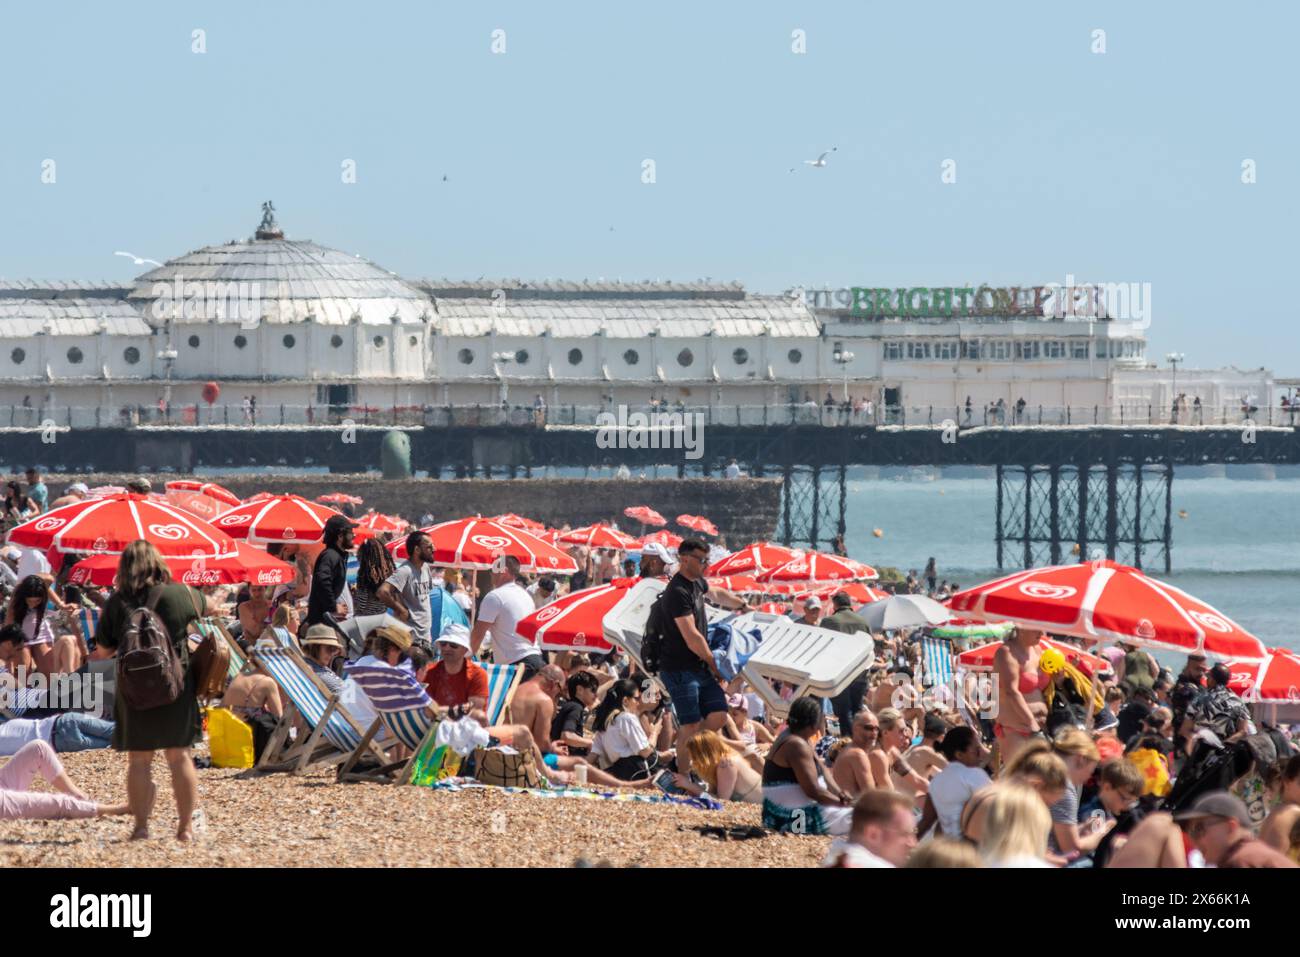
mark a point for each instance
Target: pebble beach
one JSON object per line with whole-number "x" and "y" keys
{"x": 280, "y": 820}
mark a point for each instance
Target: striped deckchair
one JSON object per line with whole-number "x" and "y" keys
{"x": 502, "y": 682}
{"x": 88, "y": 619}
{"x": 353, "y": 568}
{"x": 205, "y": 626}
{"x": 403, "y": 707}
{"x": 334, "y": 733}
{"x": 936, "y": 661}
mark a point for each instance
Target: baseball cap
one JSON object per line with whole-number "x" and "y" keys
{"x": 1216, "y": 804}
{"x": 455, "y": 634}
{"x": 659, "y": 551}
{"x": 812, "y": 601}
{"x": 78, "y": 488}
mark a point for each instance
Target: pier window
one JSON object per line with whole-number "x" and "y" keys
{"x": 685, "y": 358}
{"x": 288, "y": 341}
{"x": 1053, "y": 349}
{"x": 1028, "y": 349}
{"x": 378, "y": 341}
{"x": 1078, "y": 348}
{"x": 631, "y": 357}
{"x": 945, "y": 349}
{"x": 18, "y": 356}
{"x": 466, "y": 356}
{"x": 521, "y": 357}
{"x": 893, "y": 350}
{"x": 740, "y": 356}
{"x": 918, "y": 350}
{"x": 131, "y": 354}
{"x": 575, "y": 356}
{"x": 193, "y": 341}
{"x": 997, "y": 349}
{"x": 240, "y": 342}
{"x": 795, "y": 356}
{"x": 75, "y": 356}
{"x": 412, "y": 341}
{"x": 336, "y": 340}
{"x": 970, "y": 348}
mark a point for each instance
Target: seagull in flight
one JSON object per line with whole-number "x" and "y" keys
{"x": 820, "y": 161}
{"x": 138, "y": 260}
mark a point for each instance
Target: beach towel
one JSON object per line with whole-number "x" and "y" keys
{"x": 703, "y": 802}
{"x": 444, "y": 611}
{"x": 732, "y": 646}
{"x": 936, "y": 661}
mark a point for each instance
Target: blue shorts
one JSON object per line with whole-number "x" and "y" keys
{"x": 552, "y": 760}
{"x": 695, "y": 693}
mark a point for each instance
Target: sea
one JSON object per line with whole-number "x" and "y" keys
{"x": 1236, "y": 542}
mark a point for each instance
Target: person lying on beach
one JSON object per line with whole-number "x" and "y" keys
{"x": 66, "y": 732}
{"x": 17, "y": 802}
{"x": 725, "y": 774}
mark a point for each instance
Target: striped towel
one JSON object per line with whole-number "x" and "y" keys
{"x": 354, "y": 566}
{"x": 936, "y": 661}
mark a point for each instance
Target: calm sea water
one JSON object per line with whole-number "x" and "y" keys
{"x": 1238, "y": 548}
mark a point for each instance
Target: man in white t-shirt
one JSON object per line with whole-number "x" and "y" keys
{"x": 952, "y": 787}
{"x": 882, "y": 834}
{"x": 498, "y": 614}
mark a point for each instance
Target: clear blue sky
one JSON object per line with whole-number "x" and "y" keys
{"x": 1117, "y": 167}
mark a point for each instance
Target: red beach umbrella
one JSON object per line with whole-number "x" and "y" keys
{"x": 575, "y": 621}
{"x": 599, "y": 536}
{"x": 339, "y": 498}
{"x": 207, "y": 500}
{"x": 645, "y": 515}
{"x": 1276, "y": 678}
{"x": 697, "y": 523}
{"x": 754, "y": 559}
{"x": 1106, "y": 600}
{"x": 980, "y": 658}
{"x": 664, "y": 538}
{"x": 818, "y": 566}
{"x": 280, "y": 518}
{"x": 479, "y": 542}
{"x": 110, "y": 524}
{"x": 381, "y": 524}
{"x": 518, "y": 521}
{"x": 245, "y": 564}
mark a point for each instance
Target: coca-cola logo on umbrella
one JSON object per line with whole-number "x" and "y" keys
{"x": 173, "y": 533}
{"x": 797, "y": 567}
{"x": 546, "y": 614}
{"x": 200, "y": 576}
{"x": 49, "y": 524}
{"x": 232, "y": 520}
{"x": 490, "y": 541}
{"x": 1044, "y": 590}
{"x": 1212, "y": 621}
{"x": 268, "y": 578}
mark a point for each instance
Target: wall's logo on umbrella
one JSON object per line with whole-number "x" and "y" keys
{"x": 1293, "y": 694}
{"x": 795, "y": 568}
{"x": 233, "y": 520}
{"x": 49, "y": 524}
{"x": 99, "y": 545}
{"x": 546, "y": 614}
{"x": 1212, "y": 621}
{"x": 1145, "y": 629}
{"x": 1044, "y": 590}
{"x": 173, "y": 533}
{"x": 554, "y": 561}
{"x": 288, "y": 533}
{"x": 490, "y": 541}
{"x": 580, "y": 638}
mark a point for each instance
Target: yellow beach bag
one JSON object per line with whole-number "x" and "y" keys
{"x": 229, "y": 739}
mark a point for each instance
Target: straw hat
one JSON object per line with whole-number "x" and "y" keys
{"x": 398, "y": 636}
{"x": 322, "y": 635}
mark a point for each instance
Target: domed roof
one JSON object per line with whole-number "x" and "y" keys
{"x": 277, "y": 280}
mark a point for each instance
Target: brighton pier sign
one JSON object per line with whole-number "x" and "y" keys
{"x": 1128, "y": 301}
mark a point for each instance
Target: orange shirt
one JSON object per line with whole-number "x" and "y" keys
{"x": 450, "y": 690}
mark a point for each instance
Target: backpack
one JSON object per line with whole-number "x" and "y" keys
{"x": 149, "y": 672}
{"x": 652, "y": 640}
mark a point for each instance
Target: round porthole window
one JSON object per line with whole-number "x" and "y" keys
{"x": 685, "y": 357}
{"x": 413, "y": 341}
{"x": 795, "y": 356}
{"x": 336, "y": 340}
{"x": 378, "y": 341}
{"x": 521, "y": 357}
{"x": 18, "y": 356}
{"x": 193, "y": 341}
{"x": 466, "y": 356}
{"x": 131, "y": 354}
{"x": 241, "y": 342}
{"x": 288, "y": 342}
{"x": 575, "y": 356}
{"x": 741, "y": 356}
{"x": 631, "y": 357}
{"x": 75, "y": 356}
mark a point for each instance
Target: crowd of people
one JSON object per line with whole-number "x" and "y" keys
{"x": 1129, "y": 765}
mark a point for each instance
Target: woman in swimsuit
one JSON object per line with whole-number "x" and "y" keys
{"x": 728, "y": 776}
{"x": 1021, "y": 707}
{"x": 1284, "y": 818}
{"x": 798, "y": 797}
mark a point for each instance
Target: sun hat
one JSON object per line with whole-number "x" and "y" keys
{"x": 322, "y": 635}
{"x": 658, "y": 550}
{"x": 455, "y": 634}
{"x": 397, "y": 635}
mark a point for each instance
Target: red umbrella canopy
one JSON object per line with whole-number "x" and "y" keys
{"x": 600, "y": 536}
{"x": 207, "y": 500}
{"x": 479, "y": 542}
{"x": 664, "y": 538}
{"x": 818, "y": 566}
{"x": 754, "y": 559}
{"x": 980, "y": 658}
{"x": 518, "y": 521}
{"x": 110, "y": 524}
{"x": 575, "y": 622}
{"x": 279, "y": 518}
{"x": 774, "y": 607}
{"x": 1103, "y": 599}
{"x": 210, "y": 489}
{"x": 697, "y": 523}
{"x": 246, "y": 564}
{"x": 257, "y": 497}
{"x": 1276, "y": 678}
{"x": 339, "y": 498}
{"x": 379, "y": 523}
{"x": 737, "y": 583}
{"x": 858, "y": 592}
{"x": 645, "y": 515}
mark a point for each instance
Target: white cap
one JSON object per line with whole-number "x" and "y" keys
{"x": 658, "y": 550}
{"x": 78, "y": 488}
{"x": 455, "y": 634}
{"x": 812, "y": 601}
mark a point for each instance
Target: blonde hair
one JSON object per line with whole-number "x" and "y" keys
{"x": 282, "y": 612}
{"x": 1037, "y": 760}
{"x": 945, "y": 852}
{"x": 708, "y": 749}
{"x": 889, "y": 718}
{"x": 1016, "y": 825}
{"x": 1077, "y": 742}
{"x": 141, "y": 568}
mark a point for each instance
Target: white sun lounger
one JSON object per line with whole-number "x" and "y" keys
{"x": 624, "y": 624}
{"x": 815, "y": 660}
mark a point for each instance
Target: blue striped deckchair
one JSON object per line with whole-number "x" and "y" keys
{"x": 353, "y": 568}
{"x": 502, "y": 682}
{"x": 403, "y": 707}
{"x": 936, "y": 661}
{"x": 88, "y": 619}
{"x": 334, "y": 734}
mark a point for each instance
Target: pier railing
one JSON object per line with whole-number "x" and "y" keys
{"x": 836, "y": 415}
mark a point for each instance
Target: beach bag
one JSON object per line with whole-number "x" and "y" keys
{"x": 210, "y": 662}
{"x": 230, "y": 740}
{"x": 149, "y": 671}
{"x": 652, "y": 640}
{"x": 506, "y": 768}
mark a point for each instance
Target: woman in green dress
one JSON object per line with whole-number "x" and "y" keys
{"x": 172, "y": 728}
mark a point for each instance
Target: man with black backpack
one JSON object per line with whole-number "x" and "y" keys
{"x": 685, "y": 662}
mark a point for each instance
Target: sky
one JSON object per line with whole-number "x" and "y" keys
{"x": 1117, "y": 166}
